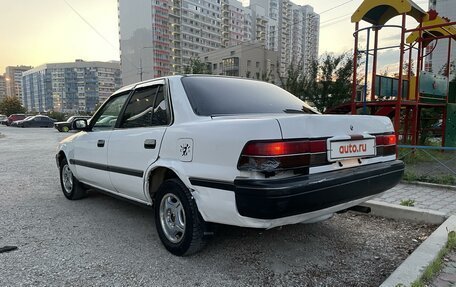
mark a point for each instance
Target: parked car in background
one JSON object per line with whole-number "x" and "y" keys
{"x": 35, "y": 122}
{"x": 15, "y": 117}
{"x": 209, "y": 149}
{"x": 15, "y": 123}
{"x": 3, "y": 119}
{"x": 66, "y": 126}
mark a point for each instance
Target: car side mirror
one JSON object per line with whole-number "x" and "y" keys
{"x": 80, "y": 125}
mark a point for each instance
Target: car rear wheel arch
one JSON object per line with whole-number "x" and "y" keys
{"x": 157, "y": 177}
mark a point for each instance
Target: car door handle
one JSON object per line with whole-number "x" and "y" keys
{"x": 150, "y": 143}
{"x": 100, "y": 143}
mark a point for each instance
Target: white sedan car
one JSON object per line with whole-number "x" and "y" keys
{"x": 209, "y": 149}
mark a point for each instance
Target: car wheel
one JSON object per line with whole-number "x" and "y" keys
{"x": 65, "y": 129}
{"x": 178, "y": 222}
{"x": 71, "y": 187}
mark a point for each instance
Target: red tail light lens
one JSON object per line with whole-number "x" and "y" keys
{"x": 386, "y": 140}
{"x": 275, "y": 148}
{"x": 386, "y": 145}
{"x": 280, "y": 155}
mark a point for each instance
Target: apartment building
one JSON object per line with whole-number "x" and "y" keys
{"x": 437, "y": 60}
{"x": 69, "y": 87}
{"x": 304, "y": 39}
{"x": 13, "y": 77}
{"x": 2, "y": 88}
{"x": 233, "y": 23}
{"x": 163, "y": 42}
{"x": 160, "y": 37}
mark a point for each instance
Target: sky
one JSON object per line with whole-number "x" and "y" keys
{"x": 50, "y": 31}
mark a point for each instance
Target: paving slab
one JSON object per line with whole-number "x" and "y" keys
{"x": 431, "y": 197}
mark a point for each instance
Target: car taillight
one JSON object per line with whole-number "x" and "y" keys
{"x": 272, "y": 156}
{"x": 386, "y": 144}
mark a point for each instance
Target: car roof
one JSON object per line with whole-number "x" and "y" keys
{"x": 133, "y": 86}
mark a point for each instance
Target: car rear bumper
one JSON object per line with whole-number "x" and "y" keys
{"x": 271, "y": 199}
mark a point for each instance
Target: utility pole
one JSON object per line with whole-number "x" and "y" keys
{"x": 140, "y": 62}
{"x": 140, "y": 68}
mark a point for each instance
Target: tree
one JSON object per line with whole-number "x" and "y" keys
{"x": 326, "y": 83}
{"x": 196, "y": 67}
{"x": 443, "y": 71}
{"x": 60, "y": 117}
{"x": 11, "y": 105}
{"x": 265, "y": 76}
{"x": 294, "y": 81}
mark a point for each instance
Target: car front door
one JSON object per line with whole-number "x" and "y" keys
{"x": 91, "y": 147}
{"x": 135, "y": 144}
{"x": 36, "y": 122}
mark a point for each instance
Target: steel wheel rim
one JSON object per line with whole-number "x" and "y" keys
{"x": 67, "y": 178}
{"x": 65, "y": 129}
{"x": 172, "y": 218}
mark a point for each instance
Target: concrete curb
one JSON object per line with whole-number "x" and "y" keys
{"x": 413, "y": 267}
{"x": 395, "y": 211}
{"x": 428, "y": 184}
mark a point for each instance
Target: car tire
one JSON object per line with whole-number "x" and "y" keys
{"x": 178, "y": 222}
{"x": 65, "y": 129}
{"x": 71, "y": 187}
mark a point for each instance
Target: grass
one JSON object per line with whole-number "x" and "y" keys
{"x": 419, "y": 156}
{"x": 436, "y": 266}
{"x": 407, "y": 202}
{"x": 427, "y": 165}
{"x": 446, "y": 179}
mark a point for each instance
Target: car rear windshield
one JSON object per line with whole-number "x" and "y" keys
{"x": 214, "y": 96}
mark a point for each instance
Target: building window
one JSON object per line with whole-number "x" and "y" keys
{"x": 230, "y": 66}
{"x": 249, "y": 63}
{"x": 232, "y": 53}
{"x": 257, "y": 64}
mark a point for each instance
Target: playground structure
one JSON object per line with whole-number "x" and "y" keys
{"x": 409, "y": 93}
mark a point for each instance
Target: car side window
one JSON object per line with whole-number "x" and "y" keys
{"x": 146, "y": 108}
{"x": 160, "y": 116}
{"x": 109, "y": 114}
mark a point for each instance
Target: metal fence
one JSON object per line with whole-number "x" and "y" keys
{"x": 431, "y": 164}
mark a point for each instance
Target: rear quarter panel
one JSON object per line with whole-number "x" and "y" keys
{"x": 217, "y": 145}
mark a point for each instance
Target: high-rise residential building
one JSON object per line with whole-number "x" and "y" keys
{"x": 437, "y": 60}
{"x": 293, "y": 31}
{"x": 305, "y": 35}
{"x": 2, "y": 88}
{"x": 233, "y": 22}
{"x": 69, "y": 87}
{"x": 161, "y": 37}
{"x": 13, "y": 77}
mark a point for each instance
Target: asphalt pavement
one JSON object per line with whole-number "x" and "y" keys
{"x": 102, "y": 241}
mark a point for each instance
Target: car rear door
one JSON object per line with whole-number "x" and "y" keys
{"x": 91, "y": 148}
{"x": 135, "y": 144}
